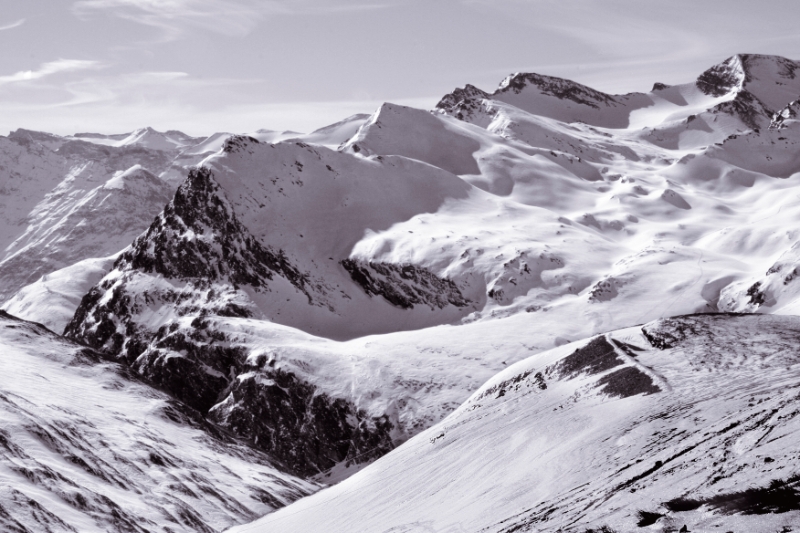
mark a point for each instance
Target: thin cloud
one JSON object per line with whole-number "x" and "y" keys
{"x": 48, "y": 69}
{"x": 172, "y": 17}
{"x": 13, "y": 25}
{"x": 228, "y": 17}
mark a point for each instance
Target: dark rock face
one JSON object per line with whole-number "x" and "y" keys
{"x": 721, "y": 79}
{"x": 462, "y": 103}
{"x": 594, "y": 358}
{"x": 748, "y": 108}
{"x": 310, "y": 432}
{"x": 780, "y": 496}
{"x": 191, "y": 263}
{"x": 238, "y": 143}
{"x": 223, "y": 248}
{"x": 788, "y": 112}
{"x": 628, "y": 381}
{"x": 559, "y": 88}
{"x": 405, "y": 285}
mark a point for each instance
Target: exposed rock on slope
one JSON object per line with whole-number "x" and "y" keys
{"x": 405, "y": 285}
{"x": 689, "y": 421}
{"x": 84, "y": 446}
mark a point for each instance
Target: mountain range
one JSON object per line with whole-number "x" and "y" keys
{"x": 440, "y": 313}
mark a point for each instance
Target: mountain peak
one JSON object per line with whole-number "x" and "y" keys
{"x": 462, "y": 102}
{"x": 757, "y": 86}
{"x": 552, "y": 86}
{"x": 740, "y": 70}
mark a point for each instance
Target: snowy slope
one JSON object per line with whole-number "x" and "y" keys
{"x": 52, "y": 299}
{"x": 73, "y": 222}
{"x": 64, "y": 200}
{"x": 86, "y": 447}
{"x": 503, "y": 224}
{"x": 143, "y": 138}
{"x": 685, "y": 422}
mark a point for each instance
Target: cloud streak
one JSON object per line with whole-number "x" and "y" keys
{"x": 13, "y": 25}
{"x": 228, "y": 17}
{"x": 48, "y": 69}
{"x": 174, "y": 17}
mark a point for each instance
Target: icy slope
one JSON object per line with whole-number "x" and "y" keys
{"x": 686, "y": 421}
{"x": 86, "y": 447}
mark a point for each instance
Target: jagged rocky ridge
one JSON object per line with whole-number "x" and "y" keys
{"x": 733, "y": 79}
{"x": 198, "y": 242}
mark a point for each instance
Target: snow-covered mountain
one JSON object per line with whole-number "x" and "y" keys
{"x": 570, "y": 211}
{"x": 85, "y": 446}
{"x": 326, "y": 297}
{"x": 68, "y": 199}
{"x": 684, "y": 424}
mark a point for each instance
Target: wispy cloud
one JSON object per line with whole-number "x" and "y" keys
{"x": 228, "y": 17}
{"x": 48, "y": 69}
{"x": 13, "y": 25}
{"x": 173, "y": 17}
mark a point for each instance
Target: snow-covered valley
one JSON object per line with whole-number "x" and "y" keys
{"x": 323, "y": 298}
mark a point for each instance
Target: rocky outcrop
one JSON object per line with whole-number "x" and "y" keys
{"x": 309, "y": 431}
{"x": 463, "y": 103}
{"x": 198, "y": 237}
{"x": 780, "y": 118}
{"x": 721, "y": 79}
{"x": 405, "y": 285}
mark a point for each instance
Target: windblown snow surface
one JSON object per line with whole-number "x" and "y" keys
{"x": 685, "y": 423}
{"x": 326, "y": 304}
{"x": 85, "y": 446}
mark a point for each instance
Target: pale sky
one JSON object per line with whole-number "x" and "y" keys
{"x": 202, "y": 66}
